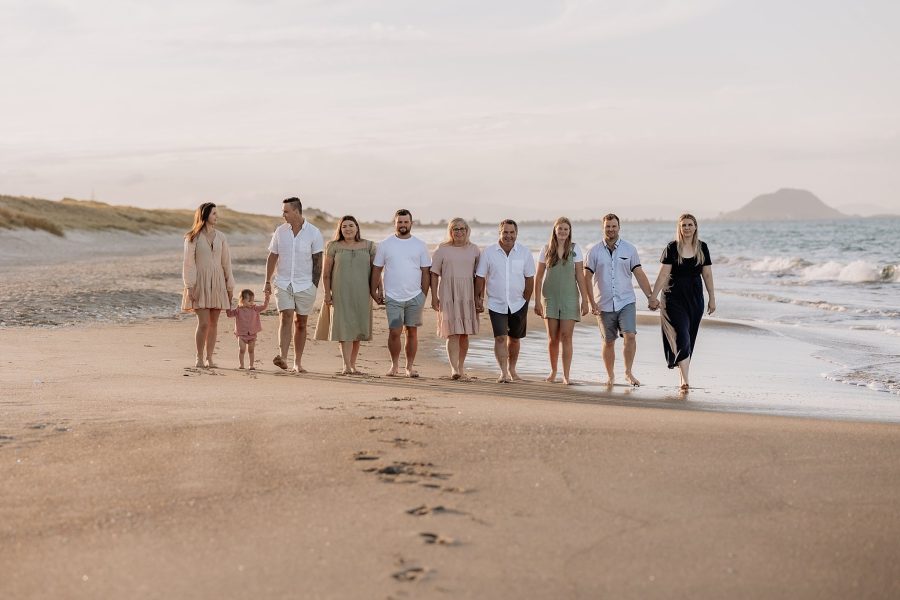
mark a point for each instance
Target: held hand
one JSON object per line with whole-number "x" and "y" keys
{"x": 479, "y": 305}
{"x": 653, "y": 304}
{"x": 711, "y": 307}
{"x": 435, "y": 304}
{"x": 329, "y": 299}
{"x": 585, "y": 308}
{"x": 595, "y": 310}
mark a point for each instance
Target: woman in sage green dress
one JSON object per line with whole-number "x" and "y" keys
{"x": 345, "y": 274}
{"x": 557, "y": 286}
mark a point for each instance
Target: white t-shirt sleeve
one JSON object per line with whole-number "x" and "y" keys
{"x": 379, "y": 254}
{"x": 424, "y": 257}
{"x": 542, "y": 257}
{"x": 579, "y": 257}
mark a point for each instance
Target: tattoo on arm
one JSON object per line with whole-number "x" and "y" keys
{"x": 317, "y": 268}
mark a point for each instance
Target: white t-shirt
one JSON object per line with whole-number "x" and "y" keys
{"x": 295, "y": 252}
{"x": 577, "y": 255}
{"x": 403, "y": 261}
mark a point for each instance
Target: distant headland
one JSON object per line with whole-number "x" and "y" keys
{"x": 786, "y": 204}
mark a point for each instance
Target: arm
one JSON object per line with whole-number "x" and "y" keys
{"x": 479, "y": 293}
{"x": 226, "y": 267}
{"x": 583, "y": 286}
{"x": 661, "y": 281}
{"x": 707, "y": 275}
{"x": 435, "y": 301}
{"x": 587, "y": 275}
{"x": 426, "y": 279}
{"x": 538, "y": 285}
{"x": 271, "y": 261}
{"x": 189, "y": 267}
{"x": 265, "y": 304}
{"x": 643, "y": 282}
{"x": 529, "y": 289}
{"x": 327, "y": 268}
{"x": 317, "y": 268}
{"x": 375, "y": 285}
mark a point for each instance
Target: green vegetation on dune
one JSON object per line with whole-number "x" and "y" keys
{"x": 88, "y": 215}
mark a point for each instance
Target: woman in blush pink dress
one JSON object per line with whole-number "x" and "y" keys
{"x": 453, "y": 293}
{"x": 208, "y": 282}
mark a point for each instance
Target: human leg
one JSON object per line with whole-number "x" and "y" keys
{"x": 394, "y": 346}
{"x": 299, "y": 341}
{"x": 284, "y": 337}
{"x": 566, "y": 328}
{"x": 251, "y": 346}
{"x": 552, "y": 326}
{"x": 211, "y": 335}
{"x": 683, "y": 369}
{"x": 453, "y": 355}
{"x": 412, "y": 346}
{"x": 354, "y": 352}
{"x": 242, "y": 345}
{"x": 501, "y": 353}
{"x": 201, "y": 333}
{"x": 463, "y": 351}
{"x": 513, "y": 345}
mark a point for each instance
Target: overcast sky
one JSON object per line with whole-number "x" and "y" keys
{"x": 475, "y": 108}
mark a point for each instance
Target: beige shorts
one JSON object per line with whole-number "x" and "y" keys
{"x": 300, "y": 302}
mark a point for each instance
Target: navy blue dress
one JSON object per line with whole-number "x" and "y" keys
{"x": 683, "y": 303}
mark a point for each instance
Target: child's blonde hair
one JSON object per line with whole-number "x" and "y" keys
{"x": 246, "y": 297}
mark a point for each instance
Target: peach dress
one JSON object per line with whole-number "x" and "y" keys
{"x": 456, "y": 267}
{"x": 208, "y": 267}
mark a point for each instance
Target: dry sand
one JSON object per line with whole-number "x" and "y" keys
{"x": 127, "y": 474}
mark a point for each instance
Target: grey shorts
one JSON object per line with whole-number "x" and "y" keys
{"x": 618, "y": 323}
{"x": 300, "y": 302}
{"x": 407, "y": 312}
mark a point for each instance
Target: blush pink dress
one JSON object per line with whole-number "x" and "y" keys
{"x": 208, "y": 268}
{"x": 456, "y": 289}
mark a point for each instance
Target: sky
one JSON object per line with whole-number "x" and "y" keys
{"x": 507, "y": 108}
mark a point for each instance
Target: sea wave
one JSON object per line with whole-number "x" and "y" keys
{"x": 878, "y": 377}
{"x": 858, "y": 271}
{"x": 824, "y": 305}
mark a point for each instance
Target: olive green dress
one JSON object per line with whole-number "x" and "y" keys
{"x": 352, "y": 317}
{"x": 560, "y": 288}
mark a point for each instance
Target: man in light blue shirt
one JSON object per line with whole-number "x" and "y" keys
{"x": 611, "y": 263}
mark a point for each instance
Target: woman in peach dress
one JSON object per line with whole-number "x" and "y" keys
{"x": 208, "y": 281}
{"x": 453, "y": 293}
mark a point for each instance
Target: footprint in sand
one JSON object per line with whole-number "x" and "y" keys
{"x": 366, "y": 455}
{"x": 409, "y": 571}
{"x": 436, "y": 538}
{"x": 422, "y": 510}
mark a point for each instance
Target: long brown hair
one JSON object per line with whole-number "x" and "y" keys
{"x": 201, "y": 216}
{"x": 551, "y": 257}
{"x": 339, "y": 235}
{"x": 695, "y": 245}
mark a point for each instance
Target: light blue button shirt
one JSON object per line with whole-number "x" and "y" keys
{"x": 613, "y": 272}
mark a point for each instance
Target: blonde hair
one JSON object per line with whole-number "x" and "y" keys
{"x": 201, "y": 216}
{"x": 695, "y": 244}
{"x": 247, "y": 295}
{"x": 454, "y": 223}
{"x": 551, "y": 257}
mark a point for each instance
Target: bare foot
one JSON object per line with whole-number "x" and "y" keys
{"x": 199, "y": 364}
{"x": 242, "y": 366}
{"x": 551, "y": 378}
{"x": 392, "y": 372}
{"x": 610, "y": 382}
{"x": 455, "y": 376}
{"x": 504, "y": 379}
{"x": 568, "y": 381}
{"x": 515, "y": 376}
{"x": 279, "y": 362}
{"x": 346, "y": 371}
{"x": 297, "y": 369}
{"x": 251, "y": 368}
{"x": 685, "y": 387}
{"x": 412, "y": 373}
{"x": 210, "y": 364}
{"x": 632, "y": 380}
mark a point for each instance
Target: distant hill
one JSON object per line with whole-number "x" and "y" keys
{"x": 784, "y": 205}
{"x": 57, "y": 217}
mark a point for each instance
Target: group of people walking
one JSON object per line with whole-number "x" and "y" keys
{"x": 399, "y": 272}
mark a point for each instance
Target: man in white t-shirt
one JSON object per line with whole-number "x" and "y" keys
{"x": 506, "y": 270}
{"x": 295, "y": 257}
{"x": 405, "y": 263}
{"x": 611, "y": 263}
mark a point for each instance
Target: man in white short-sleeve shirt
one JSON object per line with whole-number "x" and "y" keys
{"x": 506, "y": 269}
{"x": 611, "y": 263}
{"x": 404, "y": 261}
{"x": 295, "y": 258}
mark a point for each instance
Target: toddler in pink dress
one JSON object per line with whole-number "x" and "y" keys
{"x": 247, "y": 323}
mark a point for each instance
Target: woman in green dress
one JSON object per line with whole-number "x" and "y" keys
{"x": 345, "y": 274}
{"x": 557, "y": 286}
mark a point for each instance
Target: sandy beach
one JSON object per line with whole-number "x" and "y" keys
{"x": 128, "y": 474}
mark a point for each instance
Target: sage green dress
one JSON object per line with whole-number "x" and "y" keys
{"x": 560, "y": 288}
{"x": 352, "y": 317}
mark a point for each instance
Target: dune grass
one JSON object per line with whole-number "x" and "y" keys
{"x": 57, "y": 217}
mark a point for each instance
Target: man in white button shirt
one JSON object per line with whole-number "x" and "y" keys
{"x": 612, "y": 262}
{"x": 406, "y": 264}
{"x": 295, "y": 256}
{"x": 507, "y": 270}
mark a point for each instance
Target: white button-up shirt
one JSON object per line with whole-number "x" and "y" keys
{"x": 505, "y": 276}
{"x": 295, "y": 255}
{"x": 612, "y": 274}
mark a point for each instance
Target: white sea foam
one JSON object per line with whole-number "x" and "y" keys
{"x": 778, "y": 264}
{"x": 858, "y": 271}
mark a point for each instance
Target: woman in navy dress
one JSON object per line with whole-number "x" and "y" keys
{"x": 685, "y": 262}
